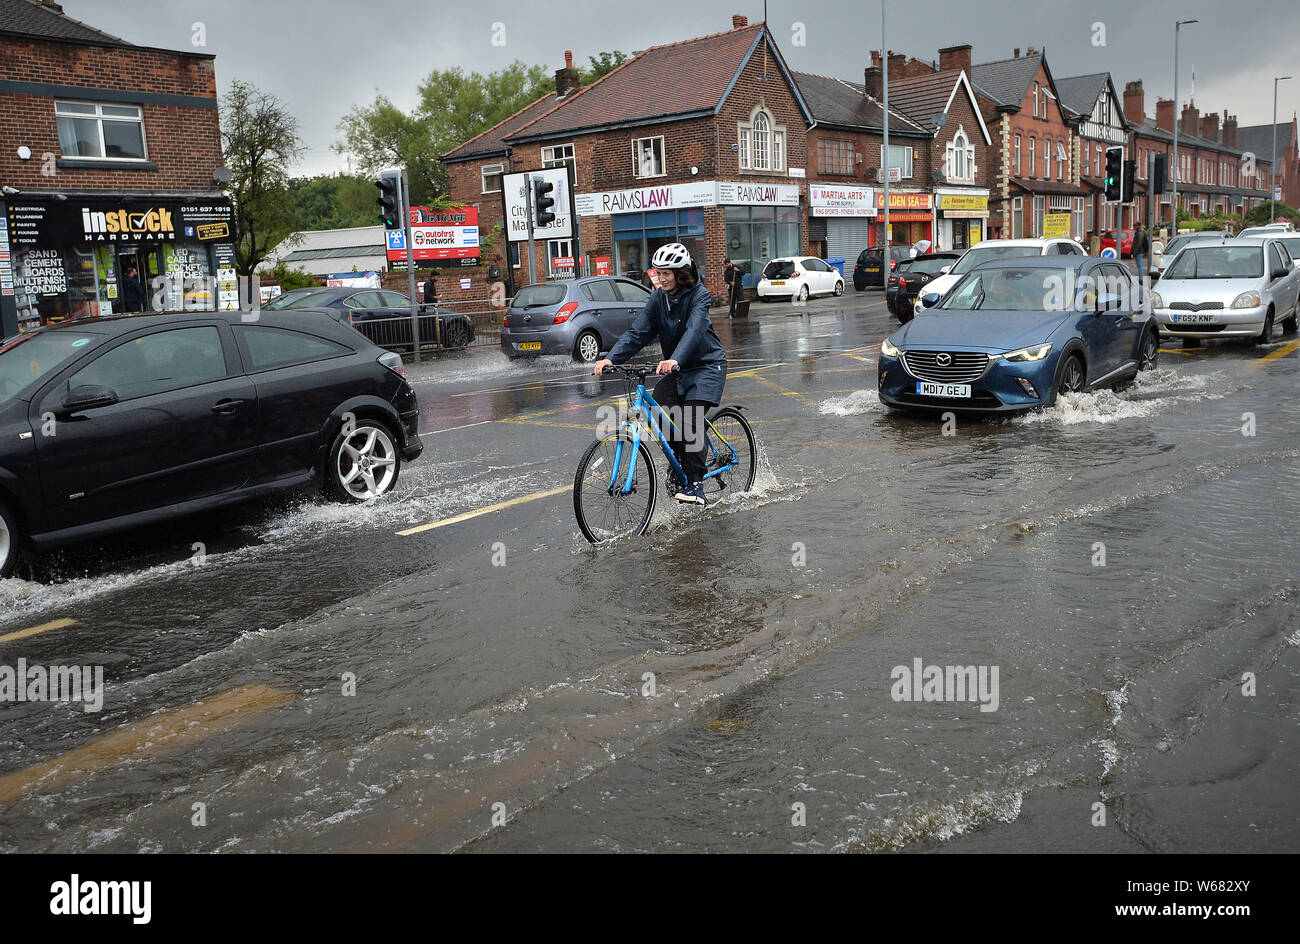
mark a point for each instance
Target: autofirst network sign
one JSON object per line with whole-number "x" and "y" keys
{"x": 441, "y": 237}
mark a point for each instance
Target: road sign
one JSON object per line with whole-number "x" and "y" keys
{"x": 516, "y": 204}
{"x": 1108, "y": 253}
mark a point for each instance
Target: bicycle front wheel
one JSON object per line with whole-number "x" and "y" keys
{"x": 729, "y": 432}
{"x": 603, "y": 505}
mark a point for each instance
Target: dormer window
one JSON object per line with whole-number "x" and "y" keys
{"x": 761, "y": 142}
{"x": 960, "y": 163}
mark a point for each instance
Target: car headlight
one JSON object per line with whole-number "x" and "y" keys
{"x": 888, "y": 350}
{"x": 1157, "y": 301}
{"x": 1036, "y": 353}
{"x": 1246, "y": 300}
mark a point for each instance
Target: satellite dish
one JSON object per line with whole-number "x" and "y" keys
{"x": 222, "y": 176}
{"x": 940, "y": 119}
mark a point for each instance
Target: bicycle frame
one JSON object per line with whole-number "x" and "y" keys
{"x": 644, "y": 404}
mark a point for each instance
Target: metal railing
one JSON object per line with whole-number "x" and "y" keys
{"x": 457, "y": 326}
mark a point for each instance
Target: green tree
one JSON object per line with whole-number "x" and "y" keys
{"x": 452, "y": 107}
{"x": 331, "y": 201}
{"x": 1259, "y": 214}
{"x": 602, "y": 64}
{"x": 259, "y": 138}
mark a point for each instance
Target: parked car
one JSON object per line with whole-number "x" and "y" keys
{"x": 382, "y": 315}
{"x": 870, "y": 269}
{"x": 1238, "y": 288}
{"x": 911, "y": 276}
{"x": 580, "y": 317}
{"x": 799, "y": 277}
{"x": 156, "y": 416}
{"x": 1162, "y": 255}
{"x": 996, "y": 249}
{"x": 1015, "y": 333}
{"x": 1125, "y": 245}
{"x": 1268, "y": 229}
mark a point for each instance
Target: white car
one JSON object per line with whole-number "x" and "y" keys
{"x": 1162, "y": 255}
{"x": 799, "y": 277}
{"x": 1233, "y": 288}
{"x": 1268, "y": 229}
{"x": 995, "y": 249}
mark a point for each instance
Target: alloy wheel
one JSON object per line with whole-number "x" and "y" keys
{"x": 367, "y": 463}
{"x": 588, "y": 348}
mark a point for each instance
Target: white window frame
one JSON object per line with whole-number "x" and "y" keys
{"x": 1018, "y": 155}
{"x": 761, "y": 149}
{"x": 1060, "y": 161}
{"x": 552, "y": 245}
{"x": 960, "y": 157}
{"x": 483, "y": 176}
{"x": 1033, "y": 155}
{"x": 99, "y": 118}
{"x": 638, "y": 146}
{"x": 1040, "y": 207}
{"x": 565, "y": 155}
{"x": 1017, "y": 217}
{"x": 909, "y": 157}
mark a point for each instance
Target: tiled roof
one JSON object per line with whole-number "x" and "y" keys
{"x": 1258, "y": 139}
{"x": 1007, "y": 80}
{"x": 1150, "y": 130}
{"x": 493, "y": 140}
{"x": 48, "y": 21}
{"x": 1079, "y": 93}
{"x": 674, "y": 79}
{"x": 837, "y": 102}
{"x": 921, "y": 97}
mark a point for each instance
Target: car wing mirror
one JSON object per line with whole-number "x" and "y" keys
{"x": 929, "y": 299}
{"x": 88, "y": 397}
{"x": 944, "y": 269}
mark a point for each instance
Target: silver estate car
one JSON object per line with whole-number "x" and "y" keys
{"x": 1233, "y": 288}
{"x": 580, "y": 317}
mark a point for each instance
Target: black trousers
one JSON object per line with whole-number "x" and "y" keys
{"x": 686, "y": 433}
{"x": 732, "y": 290}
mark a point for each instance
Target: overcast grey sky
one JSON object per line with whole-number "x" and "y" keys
{"x": 325, "y": 56}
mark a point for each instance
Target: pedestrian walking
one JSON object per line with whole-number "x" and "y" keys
{"x": 431, "y": 289}
{"x": 132, "y": 291}
{"x": 731, "y": 276}
{"x": 1141, "y": 246}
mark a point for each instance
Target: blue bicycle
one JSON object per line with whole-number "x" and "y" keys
{"x": 615, "y": 487}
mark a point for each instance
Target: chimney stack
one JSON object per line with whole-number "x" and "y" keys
{"x": 739, "y": 22}
{"x": 1210, "y": 127}
{"x": 1229, "y": 130}
{"x": 955, "y": 57}
{"x": 1029, "y": 51}
{"x": 875, "y": 57}
{"x": 566, "y": 79}
{"x": 874, "y": 79}
{"x": 1191, "y": 121}
{"x": 1016, "y": 53}
{"x": 896, "y": 62}
{"x": 1135, "y": 103}
{"x": 1165, "y": 114}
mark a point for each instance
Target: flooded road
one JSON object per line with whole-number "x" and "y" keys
{"x": 456, "y": 668}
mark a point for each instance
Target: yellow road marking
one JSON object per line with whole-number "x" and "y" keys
{"x": 37, "y": 630}
{"x": 488, "y": 509}
{"x": 1283, "y": 351}
{"x": 142, "y": 739}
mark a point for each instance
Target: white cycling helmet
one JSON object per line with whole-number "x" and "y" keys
{"x": 671, "y": 256}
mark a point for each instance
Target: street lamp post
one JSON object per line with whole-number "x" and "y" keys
{"x": 884, "y": 43}
{"x": 1174, "y": 176}
{"x": 1272, "y": 157}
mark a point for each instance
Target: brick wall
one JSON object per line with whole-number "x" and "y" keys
{"x": 185, "y": 142}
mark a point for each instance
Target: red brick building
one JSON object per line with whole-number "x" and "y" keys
{"x": 702, "y": 142}
{"x": 1097, "y": 108}
{"x": 107, "y": 159}
{"x": 1260, "y": 140}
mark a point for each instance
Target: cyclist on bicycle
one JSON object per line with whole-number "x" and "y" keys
{"x": 678, "y": 312}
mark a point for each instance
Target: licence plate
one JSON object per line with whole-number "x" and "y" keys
{"x": 778, "y": 283}
{"x": 1186, "y": 318}
{"x": 530, "y": 346}
{"x": 873, "y": 268}
{"x": 942, "y": 390}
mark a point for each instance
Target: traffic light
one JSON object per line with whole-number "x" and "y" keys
{"x": 1114, "y": 170}
{"x": 1130, "y": 170}
{"x": 1160, "y": 174}
{"x": 390, "y": 198}
{"x": 542, "y": 202}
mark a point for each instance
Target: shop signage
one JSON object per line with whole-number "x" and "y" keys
{"x": 1056, "y": 225}
{"x": 964, "y": 205}
{"x": 602, "y": 264}
{"x": 92, "y": 221}
{"x": 678, "y": 196}
{"x": 839, "y": 200}
{"x": 353, "y": 280}
{"x": 43, "y": 272}
{"x": 447, "y": 237}
{"x": 517, "y": 196}
{"x": 905, "y": 201}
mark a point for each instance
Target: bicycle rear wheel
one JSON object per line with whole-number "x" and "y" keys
{"x": 601, "y": 506}
{"x": 728, "y": 427}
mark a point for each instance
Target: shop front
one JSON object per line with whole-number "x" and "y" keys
{"x": 92, "y": 256}
{"x": 841, "y": 217}
{"x": 961, "y": 218}
{"x": 911, "y": 218}
{"x": 757, "y": 222}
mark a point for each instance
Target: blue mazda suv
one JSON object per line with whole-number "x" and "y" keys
{"x": 1015, "y": 333}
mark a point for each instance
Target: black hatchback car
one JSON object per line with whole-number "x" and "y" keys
{"x": 870, "y": 269}
{"x": 382, "y": 315}
{"x": 113, "y": 423}
{"x": 912, "y": 275}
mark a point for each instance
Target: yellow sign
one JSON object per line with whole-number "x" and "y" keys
{"x": 952, "y": 201}
{"x": 974, "y": 234}
{"x": 1056, "y": 225}
{"x": 213, "y": 230}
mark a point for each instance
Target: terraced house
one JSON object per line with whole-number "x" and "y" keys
{"x": 1097, "y": 108}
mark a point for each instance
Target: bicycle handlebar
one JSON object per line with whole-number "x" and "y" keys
{"x": 640, "y": 372}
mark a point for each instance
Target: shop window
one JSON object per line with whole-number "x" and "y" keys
{"x": 492, "y": 177}
{"x": 100, "y": 131}
{"x": 761, "y": 143}
{"x": 559, "y": 155}
{"x": 648, "y": 157}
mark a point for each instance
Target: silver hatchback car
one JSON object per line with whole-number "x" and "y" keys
{"x": 580, "y": 317}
